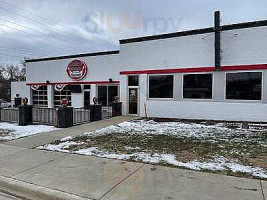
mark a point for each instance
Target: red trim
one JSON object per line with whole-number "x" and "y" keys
{"x": 169, "y": 71}
{"x": 76, "y": 83}
{"x": 196, "y": 69}
{"x": 244, "y": 67}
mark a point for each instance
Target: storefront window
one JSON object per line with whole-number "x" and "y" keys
{"x": 133, "y": 80}
{"x": 244, "y": 85}
{"x": 197, "y": 86}
{"x": 161, "y": 86}
{"x": 64, "y": 94}
{"x": 106, "y": 94}
{"x": 102, "y": 95}
{"x": 39, "y": 97}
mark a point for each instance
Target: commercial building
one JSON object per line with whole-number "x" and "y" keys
{"x": 216, "y": 73}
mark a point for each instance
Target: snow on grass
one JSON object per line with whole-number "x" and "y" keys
{"x": 232, "y": 142}
{"x": 62, "y": 147}
{"x": 180, "y": 129}
{"x": 219, "y": 163}
{"x": 10, "y": 131}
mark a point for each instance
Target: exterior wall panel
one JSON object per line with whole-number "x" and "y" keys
{"x": 180, "y": 52}
{"x": 100, "y": 68}
{"x": 21, "y": 89}
{"x": 244, "y": 46}
{"x": 208, "y": 110}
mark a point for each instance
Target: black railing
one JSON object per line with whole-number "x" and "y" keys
{"x": 9, "y": 115}
{"x": 47, "y": 116}
{"x": 106, "y": 112}
{"x": 81, "y": 116}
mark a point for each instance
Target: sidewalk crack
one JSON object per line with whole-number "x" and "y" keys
{"x": 121, "y": 181}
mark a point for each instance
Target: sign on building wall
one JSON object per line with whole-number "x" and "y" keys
{"x": 77, "y": 70}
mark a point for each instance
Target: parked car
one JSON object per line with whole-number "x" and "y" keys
{"x": 4, "y": 104}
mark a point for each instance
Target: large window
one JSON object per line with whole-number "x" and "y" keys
{"x": 106, "y": 94}
{"x": 39, "y": 97}
{"x": 197, "y": 86}
{"x": 161, "y": 86}
{"x": 244, "y": 85}
{"x": 64, "y": 94}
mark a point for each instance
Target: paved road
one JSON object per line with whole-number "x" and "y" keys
{"x": 32, "y": 171}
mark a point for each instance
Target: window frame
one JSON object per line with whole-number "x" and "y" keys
{"x": 243, "y": 100}
{"x": 60, "y": 97}
{"x": 107, "y": 85}
{"x": 200, "y": 99}
{"x": 161, "y": 99}
{"x": 38, "y": 95}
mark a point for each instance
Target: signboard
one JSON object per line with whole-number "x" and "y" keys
{"x": 77, "y": 70}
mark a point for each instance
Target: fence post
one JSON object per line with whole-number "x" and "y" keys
{"x": 116, "y": 109}
{"x": 65, "y": 117}
{"x": 95, "y": 113}
{"x": 25, "y": 115}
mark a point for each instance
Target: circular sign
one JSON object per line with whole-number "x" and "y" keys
{"x": 77, "y": 70}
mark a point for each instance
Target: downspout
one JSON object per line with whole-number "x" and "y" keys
{"x": 217, "y": 44}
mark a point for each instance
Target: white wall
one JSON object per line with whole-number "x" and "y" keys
{"x": 244, "y": 46}
{"x": 179, "y": 52}
{"x": 20, "y": 88}
{"x": 239, "y": 47}
{"x": 208, "y": 110}
{"x": 77, "y": 100}
{"x": 100, "y": 68}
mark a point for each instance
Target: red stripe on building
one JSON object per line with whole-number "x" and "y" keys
{"x": 244, "y": 67}
{"x": 198, "y": 69}
{"x": 76, "y": 83}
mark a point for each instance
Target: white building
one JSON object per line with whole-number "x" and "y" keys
{"x": 169, "y": 75}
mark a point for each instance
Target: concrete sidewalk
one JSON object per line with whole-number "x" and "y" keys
{"x": 52, "y": 175}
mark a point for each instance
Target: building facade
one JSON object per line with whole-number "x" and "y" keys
{"x": 169, "y": 75}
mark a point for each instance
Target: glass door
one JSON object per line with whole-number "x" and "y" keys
{"x": 87, "y": 92}
{"x": 133, "y": 101}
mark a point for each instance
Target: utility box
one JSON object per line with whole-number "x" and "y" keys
{"x": 65, "y": 117}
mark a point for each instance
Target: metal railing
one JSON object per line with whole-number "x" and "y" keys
{"x": 47, "y": 116}
{"x": 9, "y": 115}
{"x": 106, "y": 112}
{"x": 81, "y": 116}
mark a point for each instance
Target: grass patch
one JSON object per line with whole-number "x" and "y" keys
{"x": 188, "y": 142}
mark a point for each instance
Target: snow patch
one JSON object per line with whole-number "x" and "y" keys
{"x": 62, "y": 147}
{"x": 17, "y": 131}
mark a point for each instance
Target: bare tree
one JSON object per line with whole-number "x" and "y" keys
{"x": 10, "y": 73}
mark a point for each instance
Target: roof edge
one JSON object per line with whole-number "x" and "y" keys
{"x": 73, "y": 56}
{"x": 195, "y": 31}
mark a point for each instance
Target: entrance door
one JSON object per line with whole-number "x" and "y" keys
{"x": 86, "y": 99}
{"x": 87, "y": 91}
{"x": 133, "y": 101}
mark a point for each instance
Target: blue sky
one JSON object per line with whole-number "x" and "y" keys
{"x": 60, "y": 27}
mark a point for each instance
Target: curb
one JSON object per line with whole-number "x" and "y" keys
{"x": 29, "y": 191}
